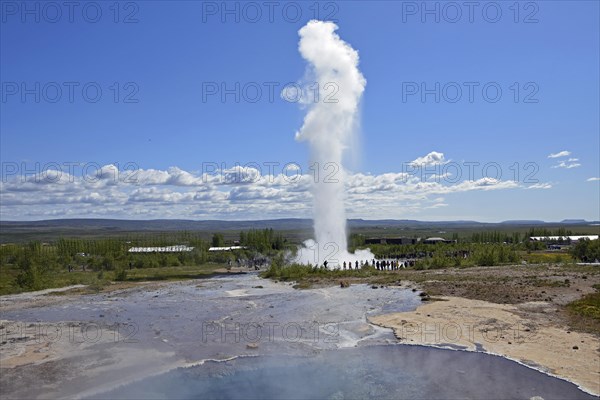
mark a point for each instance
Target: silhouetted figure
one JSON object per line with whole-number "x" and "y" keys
{"x": 344, "y": 265}
{"x": 325, "y": 263}
{"x": 356, "y": 264}
{"x": 377, "y": 264}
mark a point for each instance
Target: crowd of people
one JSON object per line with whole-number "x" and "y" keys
{"x": 380, "y": 265}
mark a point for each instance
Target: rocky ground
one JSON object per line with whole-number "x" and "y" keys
{"x": 557, "y": 285}
{"x": 532, "y": 299}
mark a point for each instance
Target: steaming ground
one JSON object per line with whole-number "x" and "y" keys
{"x": 313, "y": 254}
{"x": 272, "y": 340}
{"x": 379, "y": 372}
{"x": 153, "y": 328}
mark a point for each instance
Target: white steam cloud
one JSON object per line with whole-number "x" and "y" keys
{"x": 328, "y": 128}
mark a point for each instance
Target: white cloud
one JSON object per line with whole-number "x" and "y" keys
{"x": 566, "y": 165}
{"x": 439, "y": 177}
{"x": 236, "y": 193}
{"x": 433, "y": 158}
{"x": 540, "y": 186}
{"x": 563, "y": 153}
{"x": 594, "y": 179}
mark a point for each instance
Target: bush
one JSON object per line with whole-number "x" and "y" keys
{"x": 587, "y": 250}
{"x": 120, "y": 274}
{"x": 32, "y": 277}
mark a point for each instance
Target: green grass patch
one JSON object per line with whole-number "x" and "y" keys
{"x": 547, "y": 258}
{"x": 588, "y": 306}
{"x": 54, "y": 279}
{"x": 99, "y": 280}
{"x": 170, "y": 273}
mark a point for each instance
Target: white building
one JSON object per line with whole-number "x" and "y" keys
{"x": 166, "y": 249}
{"x": 229, "y": 248}
{"x": 563, "y": 238}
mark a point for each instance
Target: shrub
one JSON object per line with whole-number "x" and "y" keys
{"x": 120, "y": 274}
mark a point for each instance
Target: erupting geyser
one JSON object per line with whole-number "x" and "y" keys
{"x": 328, "y": 128}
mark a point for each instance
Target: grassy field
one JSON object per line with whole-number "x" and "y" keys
{"x": 99, "y": 280}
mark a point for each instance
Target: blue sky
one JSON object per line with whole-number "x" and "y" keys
{"x": 155, "y": 117}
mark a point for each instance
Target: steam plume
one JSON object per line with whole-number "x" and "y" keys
{"x": 328, "y": 128}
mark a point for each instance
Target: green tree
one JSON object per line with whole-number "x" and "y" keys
{"x": 586, "y": 250}
{"x": 218, "y": 240}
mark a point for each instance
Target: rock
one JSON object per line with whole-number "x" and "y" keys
{"x": 344, "y": 284}
{"x": 423, "y": 294}
{"x": 373, "y": 287}
{"x": 252, "y": 346}
{"x": 575, "y": 347}
{"x": 258, "y": 287}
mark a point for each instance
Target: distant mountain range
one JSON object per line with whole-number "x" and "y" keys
{"x": 277, "y": 224}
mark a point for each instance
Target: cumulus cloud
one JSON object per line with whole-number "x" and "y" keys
{"x": 234, "y": 193}
{"x": 560, "y": 154}
{"x": 439, "y": 177}
{"x": 433, "y": 158}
